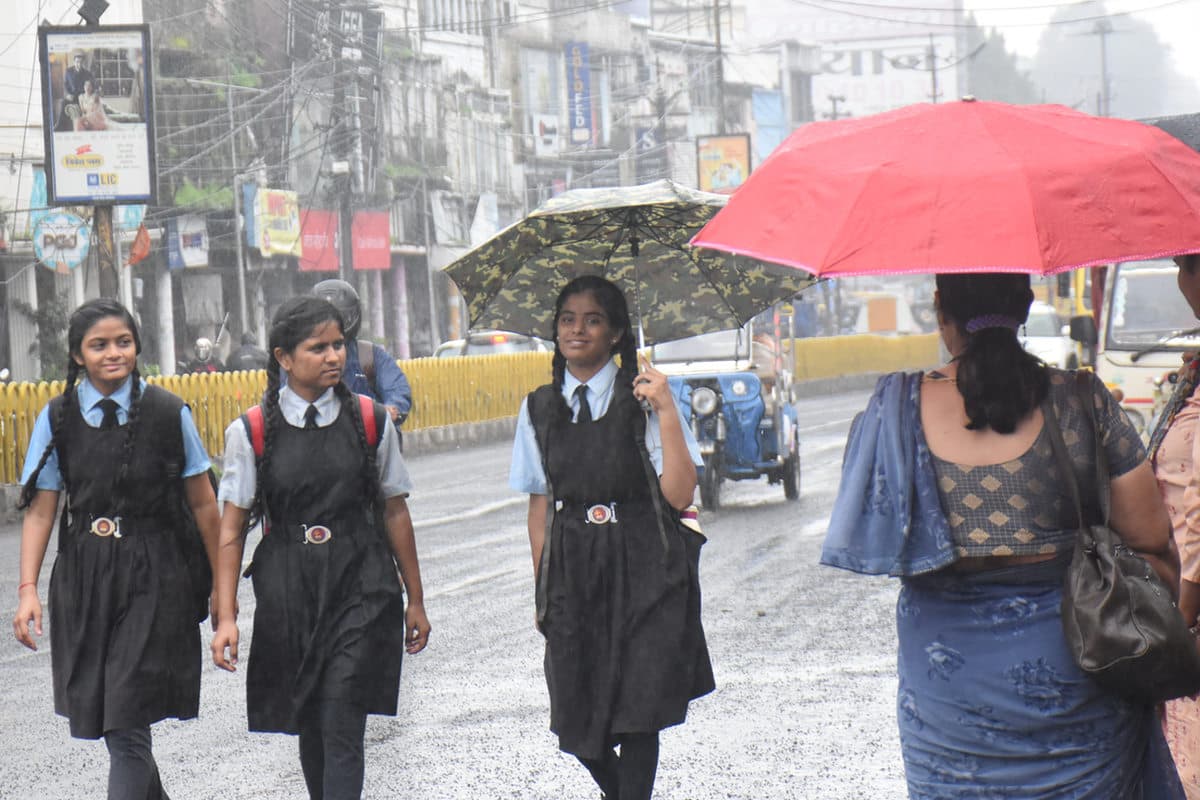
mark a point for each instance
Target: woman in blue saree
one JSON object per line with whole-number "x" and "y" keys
{"x": 950, "y": 484}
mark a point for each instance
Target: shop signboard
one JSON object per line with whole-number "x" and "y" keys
{"x": 722, "y": 162}
{"x": 371, "y": 240}
{"x": 61, "y": 241}
{"x": 319, "y": 240}
{"x": 579, "y": 93}
{"x": 277, "y": 223}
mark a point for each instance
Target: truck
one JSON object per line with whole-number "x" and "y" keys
{"x": 1144, "y": 328}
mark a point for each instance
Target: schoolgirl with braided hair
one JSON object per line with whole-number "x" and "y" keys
{"x": 330, "y": 623}
{"x": 608, "y": 463}
{"x": 123, "y": 619}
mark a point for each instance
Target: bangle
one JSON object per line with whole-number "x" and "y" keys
{"x": 27, "y": 583}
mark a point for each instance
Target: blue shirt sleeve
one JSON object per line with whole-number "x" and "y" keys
{"x": 525, "y": 474}
{"x": 391, "y": 383}
{"x": 49, "y": 478}
{"x": 195, "y": 457}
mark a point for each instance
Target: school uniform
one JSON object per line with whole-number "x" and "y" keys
{"x": 125, "y": 644}
{"x": 329, "y": 616}
{"x": 618, "y": 586}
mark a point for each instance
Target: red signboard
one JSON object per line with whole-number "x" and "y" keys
{"x": 372, "y": 240}
{"x": 318, "y": 240}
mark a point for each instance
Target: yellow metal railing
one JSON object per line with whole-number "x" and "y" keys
{"x": 446, "y": 391}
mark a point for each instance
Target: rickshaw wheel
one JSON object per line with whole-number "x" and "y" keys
{"x": 710, "y": 483}
{"x": 791, "y": 472}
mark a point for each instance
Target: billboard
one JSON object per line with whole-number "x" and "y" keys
{"x": 277, "y": 222}
{"x": 371, "y": 240}
{"x": 319, "y": 240}
{"x": 97, "y": 114}
{"x": 722, "y": 162}
{"x": 579, "y": 93}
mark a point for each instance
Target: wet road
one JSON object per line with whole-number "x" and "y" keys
{"x": 804, "y": 658}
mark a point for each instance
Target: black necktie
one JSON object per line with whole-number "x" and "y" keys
{"x": 310, "y": 417}
{"x": 109, "y": 420}
{"x": 585, "y": 408}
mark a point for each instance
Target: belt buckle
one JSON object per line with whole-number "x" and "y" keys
{"x": 107, "y": 526}
{"x": 601, "y": 514}
{"x": 316, "y": 534}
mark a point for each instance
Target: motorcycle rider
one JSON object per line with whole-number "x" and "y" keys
{"x": 205, "y": 360}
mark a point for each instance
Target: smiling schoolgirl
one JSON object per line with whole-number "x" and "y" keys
{"x": 618, "y": 592}
{"x": 123, "y": 617}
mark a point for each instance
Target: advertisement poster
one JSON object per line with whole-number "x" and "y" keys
{"x": 187, "y": 242}
{"x": 277, "y": 222}
{"x": 722, "y": 162}
{"x": 318, "y": 240}
{"x": 371, "y": 239}
{"x": 98, "y": 114}
{"x": 579, "y": 92}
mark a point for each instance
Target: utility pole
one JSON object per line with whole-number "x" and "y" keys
{"x": 237, "y": 217}
{"x": 720, "y": 70}
{"x": 102, "y": 213}
{"x": 835, "y": 99}
{"x": 1103, "y": 28}
{"x": 931, "y": 65}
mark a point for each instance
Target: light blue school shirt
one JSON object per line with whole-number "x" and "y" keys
{"x": 239, "y": 481}
{"x": 195, "y": 459}
{"x": 526, "y": 474}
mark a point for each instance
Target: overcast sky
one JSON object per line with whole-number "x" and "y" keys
{"x": 1177, "y": 24}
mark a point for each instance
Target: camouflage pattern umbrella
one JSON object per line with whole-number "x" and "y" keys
{"x": 637, "y": 237}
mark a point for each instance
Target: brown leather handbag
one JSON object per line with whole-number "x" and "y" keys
{"x": 1119, "y": 618}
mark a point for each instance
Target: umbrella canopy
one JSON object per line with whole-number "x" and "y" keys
{"x": 637, "y": 237}
{"x": 967, "y": 186}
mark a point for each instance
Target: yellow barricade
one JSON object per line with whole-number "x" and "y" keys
{"x": 830, "y": 357}
{"x": 446, "y": 391}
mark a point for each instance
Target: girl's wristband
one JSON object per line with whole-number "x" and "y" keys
{"x": 27, "y": 583}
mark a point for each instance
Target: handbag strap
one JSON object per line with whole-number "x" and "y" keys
{"x": 1084, "y": 395}
{"x": 1065, "y": 468}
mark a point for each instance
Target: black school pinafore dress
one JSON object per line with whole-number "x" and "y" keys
{"x": 125, "y": 644}
{"x": 620, "y": 598}
{"x": 329, "y": 617}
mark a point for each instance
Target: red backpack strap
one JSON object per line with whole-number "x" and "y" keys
{"x": 366, "y": 407}
{"x": 253, "y": 419}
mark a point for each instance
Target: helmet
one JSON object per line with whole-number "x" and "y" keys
{"x": 345, "y": 300}
{"x": 203, "y": 348}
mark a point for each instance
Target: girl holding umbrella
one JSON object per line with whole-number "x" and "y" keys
{"x": 618, "y": 595}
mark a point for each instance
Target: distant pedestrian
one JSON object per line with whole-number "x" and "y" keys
{"x": 618, "y": 590}
{"x": 322, "y": 470}
{"x": 123, "y": 606}
{"x": 248, "y": 356}
{"x": 951, "y": 483}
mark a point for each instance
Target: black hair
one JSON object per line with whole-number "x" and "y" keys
{"x": 82, "y": 320}
{"x": 612, "y": 300}
{"x": 294, "y": 321}
{"x": 999, "y": 381}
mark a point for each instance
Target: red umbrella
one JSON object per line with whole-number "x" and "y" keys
{"x": 968, "y": 186}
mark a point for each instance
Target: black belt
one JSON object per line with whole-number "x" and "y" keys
{"x": 305, "y": 532}
{"x": 115, "y": 526}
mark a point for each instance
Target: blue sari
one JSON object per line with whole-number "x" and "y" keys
{"x": 992, "y": 705}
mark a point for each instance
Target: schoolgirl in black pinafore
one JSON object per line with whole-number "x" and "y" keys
{"x": 125, "y": 644}
{"x": 619, "y": 602}
{"x": 329, "y": 618}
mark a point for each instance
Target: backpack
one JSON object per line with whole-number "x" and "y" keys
{"x": 256, "y": 428}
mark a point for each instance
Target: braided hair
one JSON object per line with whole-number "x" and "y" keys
{"x": 1000, "y": 382}
{"x": 612, "y": 300}
{"x": 294, "y": 321}
{"x": 82, "y": 320}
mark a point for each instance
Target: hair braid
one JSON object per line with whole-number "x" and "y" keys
{"x": 627, "y": 349}
{"x": 271, "y": 415}
{"x": 60, "y": 415}
{"x": 131, "y": 421}
{"x": 559, "y": 367}
{"x": 370, "y": 473}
